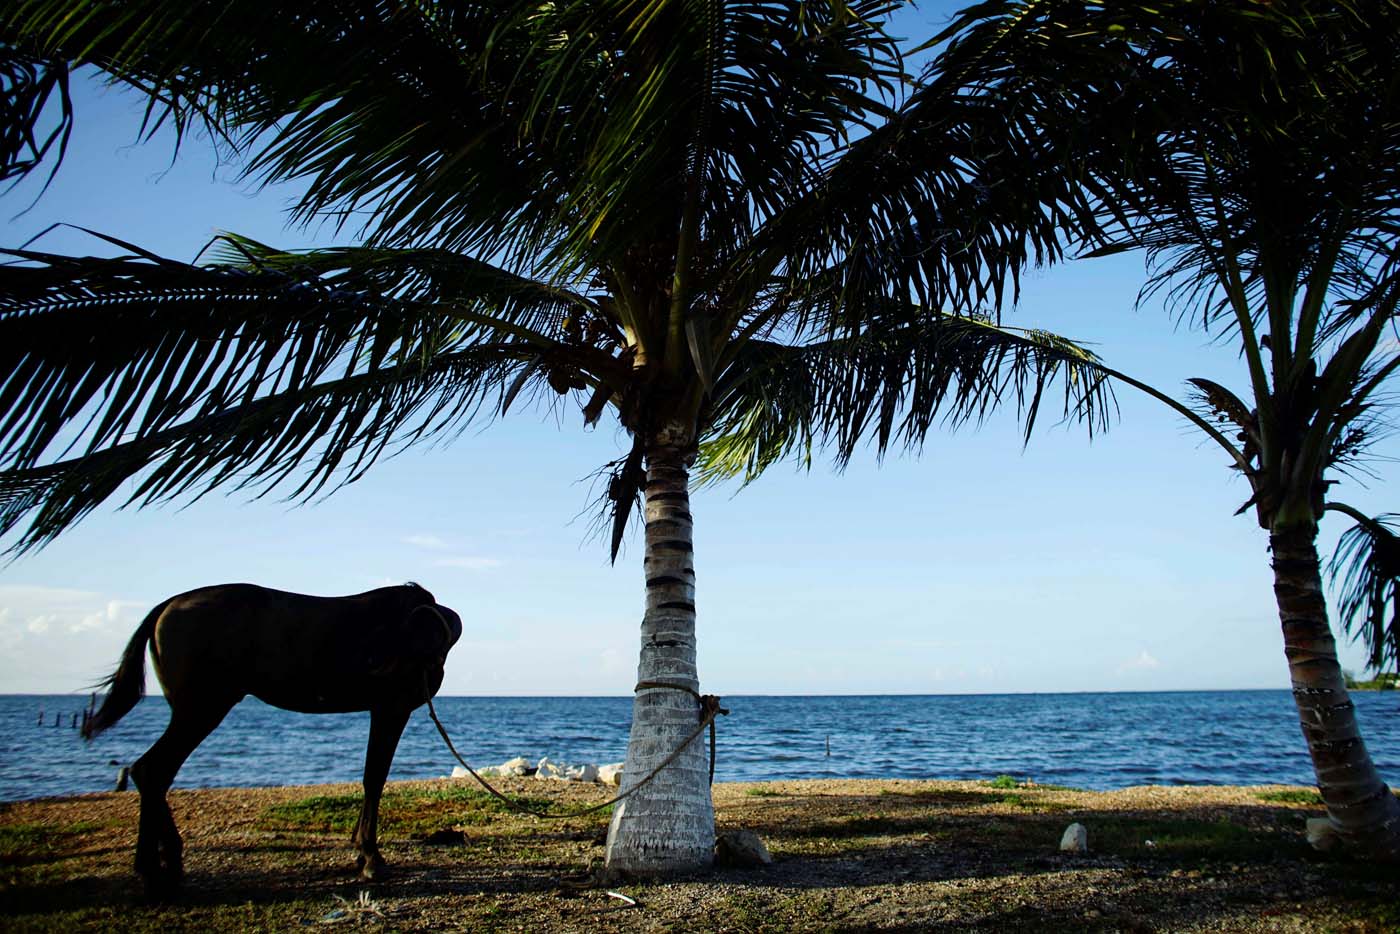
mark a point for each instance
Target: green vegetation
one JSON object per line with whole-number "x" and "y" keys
{"x": 748, "y": 234}
{"x": 1189, "y": 840}
{"x": 1247, "y": 151}
{"x": 1291, "y": 796}
{"x": 1381, "y": 682}
{"x": 21, "y": 842}
{"x": 1004, "y": 781}
{"x": 858, "y": 857}
{"x": 741, "y": 233}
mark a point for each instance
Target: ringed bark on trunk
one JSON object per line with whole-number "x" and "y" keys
{"x": 668, "y": 826}
{"x": 1363, "y": 810}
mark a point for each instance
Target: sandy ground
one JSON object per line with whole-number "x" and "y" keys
{"x": 848, "y": 856}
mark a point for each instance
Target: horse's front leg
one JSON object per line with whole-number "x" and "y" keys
{"x": 159, "y": 851}
{"x": 385, "y": 728}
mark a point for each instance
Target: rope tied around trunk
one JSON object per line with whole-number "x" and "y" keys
{"x": 709, "y": 709}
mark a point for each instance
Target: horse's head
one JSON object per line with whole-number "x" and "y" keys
{"x": 432, "y": 628}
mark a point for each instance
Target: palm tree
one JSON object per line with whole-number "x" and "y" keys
{"x": 1252, "y": 149}
{"x": 714, "y": 220}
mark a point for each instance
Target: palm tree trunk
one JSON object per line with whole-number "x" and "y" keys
{"x": 669, "y": 825}
{"x": 1364, "y": 812}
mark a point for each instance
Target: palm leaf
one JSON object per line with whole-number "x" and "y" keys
{"x": 165, "y": 341}
{"x": 1364, "y": 569}
{"x": 27, "y": 84}
{"x": 329, "y": 433}
{"x": 889, "y": 386}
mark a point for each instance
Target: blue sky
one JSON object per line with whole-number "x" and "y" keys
{"x": 977, "y": 567}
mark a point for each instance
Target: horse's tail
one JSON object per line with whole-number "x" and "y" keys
{"x": 128, "y": 683}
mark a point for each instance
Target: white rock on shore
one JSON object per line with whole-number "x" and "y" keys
{"x": 548, "y": 769}
{"x": 545, "y": 769}
{"x": 584, "y": 773}
{"x": 513, "y": 769}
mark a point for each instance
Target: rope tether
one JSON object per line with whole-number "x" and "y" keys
{"x": 709, "y": 709}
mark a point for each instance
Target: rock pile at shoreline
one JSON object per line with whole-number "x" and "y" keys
{"x": 546, "y": 768}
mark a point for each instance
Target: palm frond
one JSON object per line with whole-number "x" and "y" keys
{"x": 1228, "y": 135}
{"x": 164, "y": 341}
{"x": 27, "y": 84}
{"x": 890, "y": 386}
{"x": 1364, "y": 570}
{"x": 327, "y": 434}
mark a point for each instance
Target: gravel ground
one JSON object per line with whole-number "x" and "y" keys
{"x": 848, "y": 856}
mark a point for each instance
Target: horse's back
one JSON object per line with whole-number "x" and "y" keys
{"x": 301, "y": 652}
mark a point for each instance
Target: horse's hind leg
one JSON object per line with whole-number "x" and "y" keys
{"x": 158, "y": 847}
{"x": 385, "y": 728}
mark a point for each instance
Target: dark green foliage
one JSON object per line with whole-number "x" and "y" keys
{"x": 1251, "y": 150}
{"x": 27, "y": 84}
{"x": 1365, "y": 568}
{"x": 744, "y": 222}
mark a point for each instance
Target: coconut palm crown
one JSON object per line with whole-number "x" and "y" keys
{"x": 740, "y": 228}
{"x": 1252, "y": 150}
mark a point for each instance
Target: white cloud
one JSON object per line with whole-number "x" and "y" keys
{"x": 53, "y": 638}
{"x": 468, "y": 563}
{"x": 1144, "y": 662}
{"x": 89, "y": 622}
{"x": 425, "y": 541}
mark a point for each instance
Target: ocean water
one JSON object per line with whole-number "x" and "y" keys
{"x": 1085, "y": 740}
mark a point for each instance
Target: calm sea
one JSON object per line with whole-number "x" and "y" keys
{"x": 1085, "y": 740}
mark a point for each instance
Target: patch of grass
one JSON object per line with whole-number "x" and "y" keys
{"x": 1035, "y": 805}
{"x": 1187, "y": 839}
{"x": 1290, "y": 796}
{"x": 764, "y": 914}
{"x": 1003, "y": 781}
{"x": 248, "y": 916}
{"x": 406, "y": 811}
{"x": 22, "y": 842}
{"x": 763, "y": 793}
{"x": 944, "y": 796}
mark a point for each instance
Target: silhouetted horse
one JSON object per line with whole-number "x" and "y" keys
{"x": 381, "y": 651}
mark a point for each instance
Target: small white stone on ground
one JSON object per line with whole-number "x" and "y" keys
{"x": 459, "y": 772}
{"x": 1075, "y": 840}
{"x": 741, "y": 848}
{"x": 610, "y": 774}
